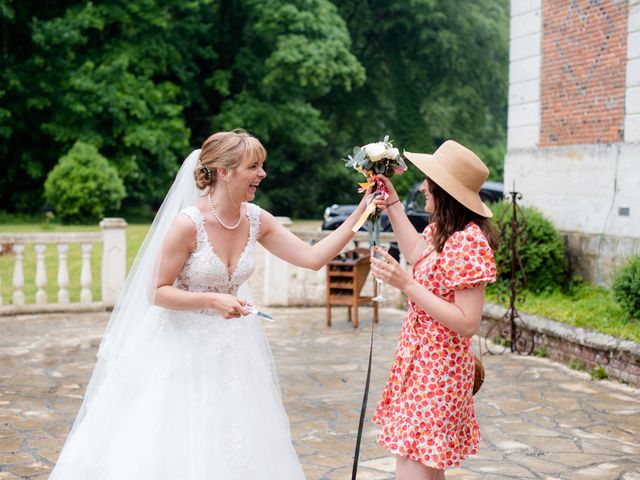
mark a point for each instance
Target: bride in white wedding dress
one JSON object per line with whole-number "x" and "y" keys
{"x": 184, "y": 387}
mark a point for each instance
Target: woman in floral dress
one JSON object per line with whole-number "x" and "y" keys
{"x": 426, "y": 414}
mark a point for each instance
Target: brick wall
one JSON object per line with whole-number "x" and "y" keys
{"x": 583, "y": 71}
{"x": 568, "y": 344}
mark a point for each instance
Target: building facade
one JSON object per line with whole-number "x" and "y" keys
{"x": 573, "y": 147}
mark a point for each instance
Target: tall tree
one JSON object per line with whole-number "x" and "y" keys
{"x": 110, "y": 74}
{"x": 290, "y": 55}
{"x": 146, "y": 80}
{"x": 435, "y": 70}
{"x": 129, "y": 76}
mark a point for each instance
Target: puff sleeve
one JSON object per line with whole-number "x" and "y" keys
{"x": 467, "y": 260}
{"x": 427, "y": 233}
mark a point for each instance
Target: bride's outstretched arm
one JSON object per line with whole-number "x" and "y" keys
{"x": 284, "y": 244}
{"x": 178, "y": 244}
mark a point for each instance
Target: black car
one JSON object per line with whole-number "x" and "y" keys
{"x": 413, "y": 206}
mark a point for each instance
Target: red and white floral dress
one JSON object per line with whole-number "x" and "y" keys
{"x": 426, "y": 412}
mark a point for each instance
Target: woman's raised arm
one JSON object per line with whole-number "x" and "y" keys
{"x": 409, "y": 240}
{"x": 285, "y": 245}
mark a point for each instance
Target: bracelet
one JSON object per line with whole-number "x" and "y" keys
{"x": 392, "y": 203}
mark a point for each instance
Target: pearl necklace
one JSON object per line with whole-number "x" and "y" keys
{"x": 228, "y": 227}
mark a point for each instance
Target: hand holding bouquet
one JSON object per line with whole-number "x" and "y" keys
{"x": 380, "y": 158}
{"x": 377, "y": 158}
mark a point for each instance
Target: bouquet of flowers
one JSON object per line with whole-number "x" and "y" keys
{"x": 370, "y": 160}
{"x": 377, "y": 158}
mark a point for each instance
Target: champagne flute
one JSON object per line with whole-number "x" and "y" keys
{"x": 377, "y": 291}
{"x": 374, "y": 237}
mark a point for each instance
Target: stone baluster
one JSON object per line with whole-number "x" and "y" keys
{"x": 18, "y": 276}
{"x": 63, "y": 274}
{"x": 85, "y": 274}
{"x": 276, "y": 275}
{"x": 114, "y": 258}
{"x": 41, "y": 274}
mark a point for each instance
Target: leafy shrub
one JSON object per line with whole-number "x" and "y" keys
{"x": 626, "y": 287}
{"x": 83, "y": 186}
{"x": 599, "y": 373}
{"x": 20, "y": 218}
{"x": 540, "y": 249}
{"x": 541, "y": 352}
{"x": 575, "y": 364}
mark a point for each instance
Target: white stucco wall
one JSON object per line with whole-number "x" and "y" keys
{"x": 632, "y": 97}
{"x": 590, "y": 192}
{"x": 524, "y": 74}
{"x": 582, "y": 187}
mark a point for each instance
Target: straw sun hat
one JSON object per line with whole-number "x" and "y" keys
{"x": 458, "y": 171}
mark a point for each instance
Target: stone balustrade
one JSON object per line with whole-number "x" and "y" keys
{"x": 275, "y": 282}
{"x": 283, "y": 284}
{"x": 113, "y": 271}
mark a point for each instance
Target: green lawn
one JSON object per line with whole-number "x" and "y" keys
{"x": 586, "y": 306}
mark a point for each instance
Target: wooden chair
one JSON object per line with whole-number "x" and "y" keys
{"x": 346, "y": 275}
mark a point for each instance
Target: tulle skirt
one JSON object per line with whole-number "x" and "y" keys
{"x": 191, "y": 396}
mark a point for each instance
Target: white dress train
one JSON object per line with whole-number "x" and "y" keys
{"x": 191, "y": 396}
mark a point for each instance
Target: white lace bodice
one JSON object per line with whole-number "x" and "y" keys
{"x": 204, "y": 271}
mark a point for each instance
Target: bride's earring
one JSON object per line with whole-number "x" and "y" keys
{"x": 223, "y": 174}
{"x": 229, "y": 194}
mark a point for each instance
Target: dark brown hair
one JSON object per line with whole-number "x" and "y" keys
{"x": 450, "y": 216}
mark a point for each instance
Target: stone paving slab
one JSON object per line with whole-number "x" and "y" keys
{"x": 538, "y": 419}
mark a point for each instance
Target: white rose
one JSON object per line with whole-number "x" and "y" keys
{"x": 393, "y": 153}
{"x": 375, "y": 151}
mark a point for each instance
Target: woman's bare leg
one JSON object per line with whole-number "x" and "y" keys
{"x": 407, "y": 469}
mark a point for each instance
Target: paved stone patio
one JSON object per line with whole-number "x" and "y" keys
{"x": 538, "y": 418}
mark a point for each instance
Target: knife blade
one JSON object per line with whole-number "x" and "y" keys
{"x": 260, "y": 314}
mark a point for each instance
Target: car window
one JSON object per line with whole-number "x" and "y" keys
{"x": 418, "y": 201}
{"x": 485, "y": 197}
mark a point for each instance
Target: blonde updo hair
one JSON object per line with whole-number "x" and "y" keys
{"x": 225, "y": 150}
